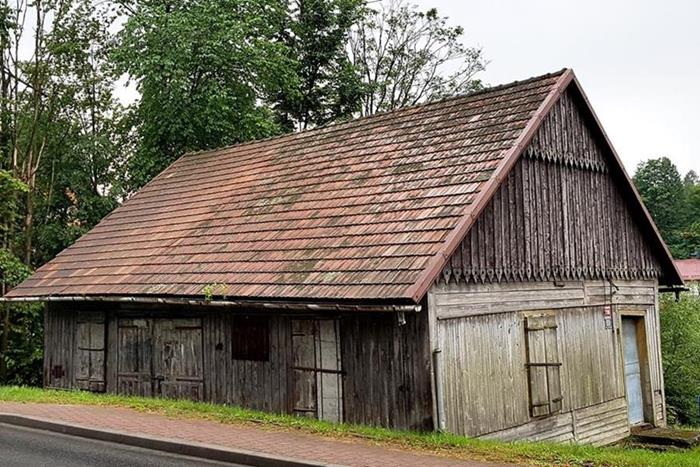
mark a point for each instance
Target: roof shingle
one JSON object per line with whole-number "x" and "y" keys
{"x": 689, "y": 268}
{"x": 360, "y": 210}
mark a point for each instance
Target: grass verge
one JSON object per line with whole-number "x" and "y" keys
{"x": 435, "y": 443}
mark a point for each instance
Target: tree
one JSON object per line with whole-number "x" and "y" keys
{"x": 662, "y": 191}
{"x": 56, "y": 98}
{"x": 209, "y": 72}
{"x": 79, "y": 180}
{"x": 57, "y": 150}
{"x": 680, "y": 346}
{"x": 674, "y": 203}
{"x": 691, "y": 182}
{"x": 329, "y": 87}
{"x": 11, "y": 188}
{"x": 205, "y": 71}
{"x": 21, "y": 339}
{"x": 12, "y": 270}
{"x": 406, "y": 56}
{"x": 690, "y": 179}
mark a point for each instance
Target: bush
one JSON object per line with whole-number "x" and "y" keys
{"x": 21, "y": 329}
{"x": 680, "y": 346}
{"x": 25, "y": 354}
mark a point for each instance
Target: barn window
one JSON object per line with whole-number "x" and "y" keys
{"x": 543, "y": 365}
{"x": 250, "y": 339}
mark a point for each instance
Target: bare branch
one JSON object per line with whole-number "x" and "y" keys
{"x": 407, "y": 56}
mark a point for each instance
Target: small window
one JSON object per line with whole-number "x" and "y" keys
{"x": 250, "y": 338}
{"x": 543, "y": 365}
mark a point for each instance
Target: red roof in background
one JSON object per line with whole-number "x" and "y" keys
{"x": 689, "y": 268}
{"x": 369, "y": 209}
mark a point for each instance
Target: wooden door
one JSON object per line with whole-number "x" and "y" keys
{"x": 160, "y": 357}
{"x": 89, "y": 352}
{"x": 633, "y": 371}
{"x": 177, "y": 358}
{"x": 135, "y": 357}
{"x": 317, "y": 373}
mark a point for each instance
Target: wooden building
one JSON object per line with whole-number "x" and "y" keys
{"x": 480, "y": 265}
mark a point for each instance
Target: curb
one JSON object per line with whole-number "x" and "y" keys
{"x": 170, "y": 445}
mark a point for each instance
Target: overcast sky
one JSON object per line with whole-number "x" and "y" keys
{"x": 638, "y": 61}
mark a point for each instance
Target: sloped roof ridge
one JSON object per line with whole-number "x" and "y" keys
{"x": 338, "y": 125}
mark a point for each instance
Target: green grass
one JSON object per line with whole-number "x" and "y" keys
{"x": 440, "y": 443}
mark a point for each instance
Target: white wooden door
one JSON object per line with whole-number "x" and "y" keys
{"x": 633, "y": 373}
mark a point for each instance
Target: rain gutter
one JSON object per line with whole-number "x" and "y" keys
{"x": 258, "y": 304}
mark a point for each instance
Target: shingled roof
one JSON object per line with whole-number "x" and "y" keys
{"x": 369, "y": 210}
{"x": 689, "y": 268}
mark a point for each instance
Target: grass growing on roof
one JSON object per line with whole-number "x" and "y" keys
{"x": 441, "y": 443}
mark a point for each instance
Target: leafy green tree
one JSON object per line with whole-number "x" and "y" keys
{"x": 329, "y": 87}
{"x": 406, "y": 56}
{"x": 209, "y": 73}
{"x": 56, "y": 116}
{"x": 21, "y": 340}
{"x": 690, "y": 179}
{"x": 688, "y": 242}
{"x": 15, "y": 363}
{"x": 58, "y": 150}
{"x": 662, "y": 191}
{"x": 693, "y": 203}
{"x": 680, "y": 347}
{"x": 11, "y": 188}
{"x": 205, "y": 71}
{"x": 79, "y": 177}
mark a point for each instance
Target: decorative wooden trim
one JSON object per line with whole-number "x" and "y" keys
{"x": 437, "y": 262}
{"x": 675, "y": 278}
{"x": 436, "y": 265}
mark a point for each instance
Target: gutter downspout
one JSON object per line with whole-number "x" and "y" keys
{"x": 675, "y": 289}
{"x": 439, "y": 396}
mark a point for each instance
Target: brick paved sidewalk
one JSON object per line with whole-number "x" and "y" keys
{"x": 351, "y": 452}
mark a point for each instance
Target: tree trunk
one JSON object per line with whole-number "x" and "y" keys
{"x": 29, "y": 227}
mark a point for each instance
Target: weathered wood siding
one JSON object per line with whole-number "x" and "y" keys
{"x": 480, "y": 330}
{"x": 557, "y": 235}
{"x": 59, "y": 335}
{"x": 385, "y": 365}
{"x": 89, "y": 351}
{"x": 598, "y": 424}
{"x": 387, "y": 371}
{"x": 559, "y": 215}
{"x": 260, "y": 385}
{"x": 457, "y": 300}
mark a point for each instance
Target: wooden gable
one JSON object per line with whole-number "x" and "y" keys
{"x": 562, "y": 213}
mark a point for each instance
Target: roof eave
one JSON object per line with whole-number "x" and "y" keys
{"x": 277, "y": 305}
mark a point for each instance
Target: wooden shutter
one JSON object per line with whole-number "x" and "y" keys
{"x": 543, "y": 365}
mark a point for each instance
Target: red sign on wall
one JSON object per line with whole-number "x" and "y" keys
{"x": 608, "y": 316}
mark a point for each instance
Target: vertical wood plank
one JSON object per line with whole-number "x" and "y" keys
{"x": 572, "y": 220}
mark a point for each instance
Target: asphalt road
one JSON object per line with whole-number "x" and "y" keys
{"x": 20, "y": 447}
